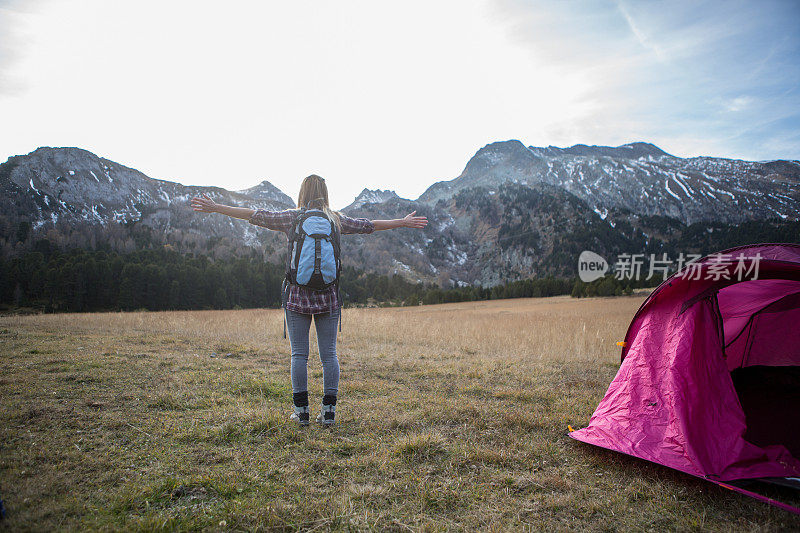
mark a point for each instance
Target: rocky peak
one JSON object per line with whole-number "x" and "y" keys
{"x": 507, "y": 151}
{"x": 636, "y": 150}
{"x": 267, "y": 191}
{"x": 372, "y": 196}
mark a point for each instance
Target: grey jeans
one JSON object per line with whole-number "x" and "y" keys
{"x": 299, "y": 325}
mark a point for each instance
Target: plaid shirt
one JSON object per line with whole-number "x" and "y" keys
{"x": 301, "y": 299}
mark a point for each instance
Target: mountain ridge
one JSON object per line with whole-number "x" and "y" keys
{"x": 701, "y": 189}
{"x": 514, "y": 211}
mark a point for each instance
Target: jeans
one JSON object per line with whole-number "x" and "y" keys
{"x": 298, "y": 325}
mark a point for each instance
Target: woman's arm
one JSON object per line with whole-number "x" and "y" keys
{"x": 274, "y": 220}
{"x": 207, "y": 205}
{"x": 409, "y": 221}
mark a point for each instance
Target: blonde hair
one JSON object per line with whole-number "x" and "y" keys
{"x": 314, "y": 195}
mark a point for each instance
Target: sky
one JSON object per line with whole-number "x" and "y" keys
{"x": 391, "y": 95}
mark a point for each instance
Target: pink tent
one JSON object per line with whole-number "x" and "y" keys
{"x": 710, "y": 377}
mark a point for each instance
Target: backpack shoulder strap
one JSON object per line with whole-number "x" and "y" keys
{"x": 292, "y": 239}
{"x": 298, "y": 221}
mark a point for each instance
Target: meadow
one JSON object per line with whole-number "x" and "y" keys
{"x": 450, "y": 417}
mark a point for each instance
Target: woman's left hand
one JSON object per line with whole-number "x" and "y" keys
{"x": 411, "y": 221}
{"x": 204, "y": 204}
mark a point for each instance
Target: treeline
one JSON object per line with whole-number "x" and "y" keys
{"x": 610, "y": 286}
{"x": 528, "y": 288}
{"x": 52, "y": 280}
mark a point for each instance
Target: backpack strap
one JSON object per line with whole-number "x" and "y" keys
{"x": 287, "y": 280}
{"x": 292, "y": 239}
{"x": 335, "y": 242}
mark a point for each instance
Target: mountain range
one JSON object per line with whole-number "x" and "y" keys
{"x": 515, "y": 211}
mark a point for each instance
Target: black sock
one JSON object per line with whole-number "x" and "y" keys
{"x": 329, "y": 399}
{"x": 301, "y": 399}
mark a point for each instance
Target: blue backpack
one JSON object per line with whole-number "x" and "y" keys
{"x": 313, "y": 259}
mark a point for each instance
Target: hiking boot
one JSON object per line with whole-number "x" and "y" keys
{"x": 300, "y": 401}
{"x": 328, "y": 412}
{"x": 327, "y": 415}
{"x": 300, "y": 415}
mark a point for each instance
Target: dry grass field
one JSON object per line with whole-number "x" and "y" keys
{"x": 449, "y": 417}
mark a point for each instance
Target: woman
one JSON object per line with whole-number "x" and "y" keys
{"x": 301, "y": 303}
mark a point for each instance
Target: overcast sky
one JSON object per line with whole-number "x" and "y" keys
{"x": 391, "y": 95}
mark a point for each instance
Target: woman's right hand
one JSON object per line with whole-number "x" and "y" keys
{"x": 204, "y": 204}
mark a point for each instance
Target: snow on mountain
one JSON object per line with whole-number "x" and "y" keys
{"x": 515, "y": 211}
{"x": 267, "y": 191}
{"x": 71, "y": 186}
{"x": 368, "y": 196}
{"x": 641, "y": 178}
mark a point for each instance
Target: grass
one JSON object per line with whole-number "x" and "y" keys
{"x": 449, "y": 417}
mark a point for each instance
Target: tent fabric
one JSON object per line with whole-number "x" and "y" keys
{"x": 737, "y": 303}
{"x": 673, "y": 400}
{"x": 755, "y": 316}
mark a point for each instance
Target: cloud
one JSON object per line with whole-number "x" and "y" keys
{"x": 659, "y": 68}
{"x": 738, "y": 104}
{"x": 639, "y": 34}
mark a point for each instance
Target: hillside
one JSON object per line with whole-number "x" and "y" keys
{"x": 640, "y": 178}
{"x": 514, "y": 211}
